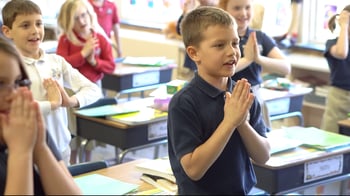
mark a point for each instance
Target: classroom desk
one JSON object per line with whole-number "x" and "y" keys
{"x": 287, "y": 171}
{"x": 344, "y": 126}
{"x": 285, "y": 104}
{"x": 121, "y": 135}
{"x": 127, "y": 172}
{"x": 132, "y": 78}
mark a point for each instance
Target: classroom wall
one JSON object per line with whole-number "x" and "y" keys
{"x": 143, "y": 43}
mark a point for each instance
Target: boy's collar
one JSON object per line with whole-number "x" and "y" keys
{"x": 211, "y": 90}
{"x": 29, "y": 60}
{"x": 246, "y": 35}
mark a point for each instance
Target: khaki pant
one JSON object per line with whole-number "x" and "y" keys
{"x": 337, "y": 108}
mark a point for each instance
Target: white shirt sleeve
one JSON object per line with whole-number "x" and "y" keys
{"x": 85, "y": 91}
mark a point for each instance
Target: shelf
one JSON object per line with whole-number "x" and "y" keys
{"x": 308, "y": 62}
{"x": 313, "y": 105}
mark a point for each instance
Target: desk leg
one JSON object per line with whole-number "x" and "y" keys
{"x": 156, "y": 152}
{"x": 121, "y": 155}
{"x": 82, "y": 148}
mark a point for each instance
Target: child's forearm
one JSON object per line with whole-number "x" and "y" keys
{"x": 19, "y": 180}
{"x": 54, "y": 175}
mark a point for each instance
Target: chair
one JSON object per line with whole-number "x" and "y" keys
{"x": 101, "y": 102}
{"x": 81, "y": 168}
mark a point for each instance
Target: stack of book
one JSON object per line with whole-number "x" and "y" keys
{"x": 158, "y": 173}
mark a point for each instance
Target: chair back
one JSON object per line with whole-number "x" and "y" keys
{"x": 101, "y": 102}
{"x": 81, "y": 168}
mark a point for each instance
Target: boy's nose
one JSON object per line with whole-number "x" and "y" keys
{"x": 35, "y": 30}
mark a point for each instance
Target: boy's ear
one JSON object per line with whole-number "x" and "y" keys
{"x": 192, "y": 53}
{"x": 6, "y": 31}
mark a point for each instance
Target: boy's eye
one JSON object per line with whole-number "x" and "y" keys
{"x": 219, "y": 45}
{"x": 25, "y": 25}
{"x": 235, "y": 44}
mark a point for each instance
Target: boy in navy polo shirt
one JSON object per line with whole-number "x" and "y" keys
{"x": 215, "y": 125}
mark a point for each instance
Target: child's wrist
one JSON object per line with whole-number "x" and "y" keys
{"x": 93, "y": 63}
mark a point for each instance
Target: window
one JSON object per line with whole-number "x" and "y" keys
{"x": 316, "y": 14}
{"x": 157, "y": 13}
{"x": 149, "y": 13}
{"x": 314, "y": 25}
{"x": 50, "y": 11}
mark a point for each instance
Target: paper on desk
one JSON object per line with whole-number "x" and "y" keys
{"x": 108, "y": 110}
{"x": 316, "y": 138}
{"x": 147, "y": 61}
{"x": 96, "y": 184}
{"x": 279, "y": 143}
{"x": 145, "y": 115}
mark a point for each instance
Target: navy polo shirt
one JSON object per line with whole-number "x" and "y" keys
{"x": 339, "y": 68}
{"x": 253, "y": 72}
{"x": 194, "y": 114}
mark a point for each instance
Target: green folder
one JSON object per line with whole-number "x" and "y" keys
{"x": 96, "y": 184}
{"x": 316, "y": 138}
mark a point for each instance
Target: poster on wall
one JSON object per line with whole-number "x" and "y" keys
{"x": 277, "y": 18}
{"x": 154, "y": 12}
{"x": 329, "y": 11}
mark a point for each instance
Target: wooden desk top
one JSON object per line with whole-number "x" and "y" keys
{"x": 125, "y": 172}
{"x": 344, "y": 123}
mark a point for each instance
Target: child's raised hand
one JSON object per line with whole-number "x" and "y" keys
{"x": 238, "y": 103}
{"x": 20, "y": 125}
{"x": 344, "y": 18}
{"x": 67, "y": 101}
{"x": 89, "y": 46}
{"x": 53, "y": 93}
{"x": 251, "y": 48}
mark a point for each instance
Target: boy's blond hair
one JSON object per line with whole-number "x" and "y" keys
{"x": 66, "y": 18}
{"x": 198, "y": 20}
{"x": 18, "y": 7}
